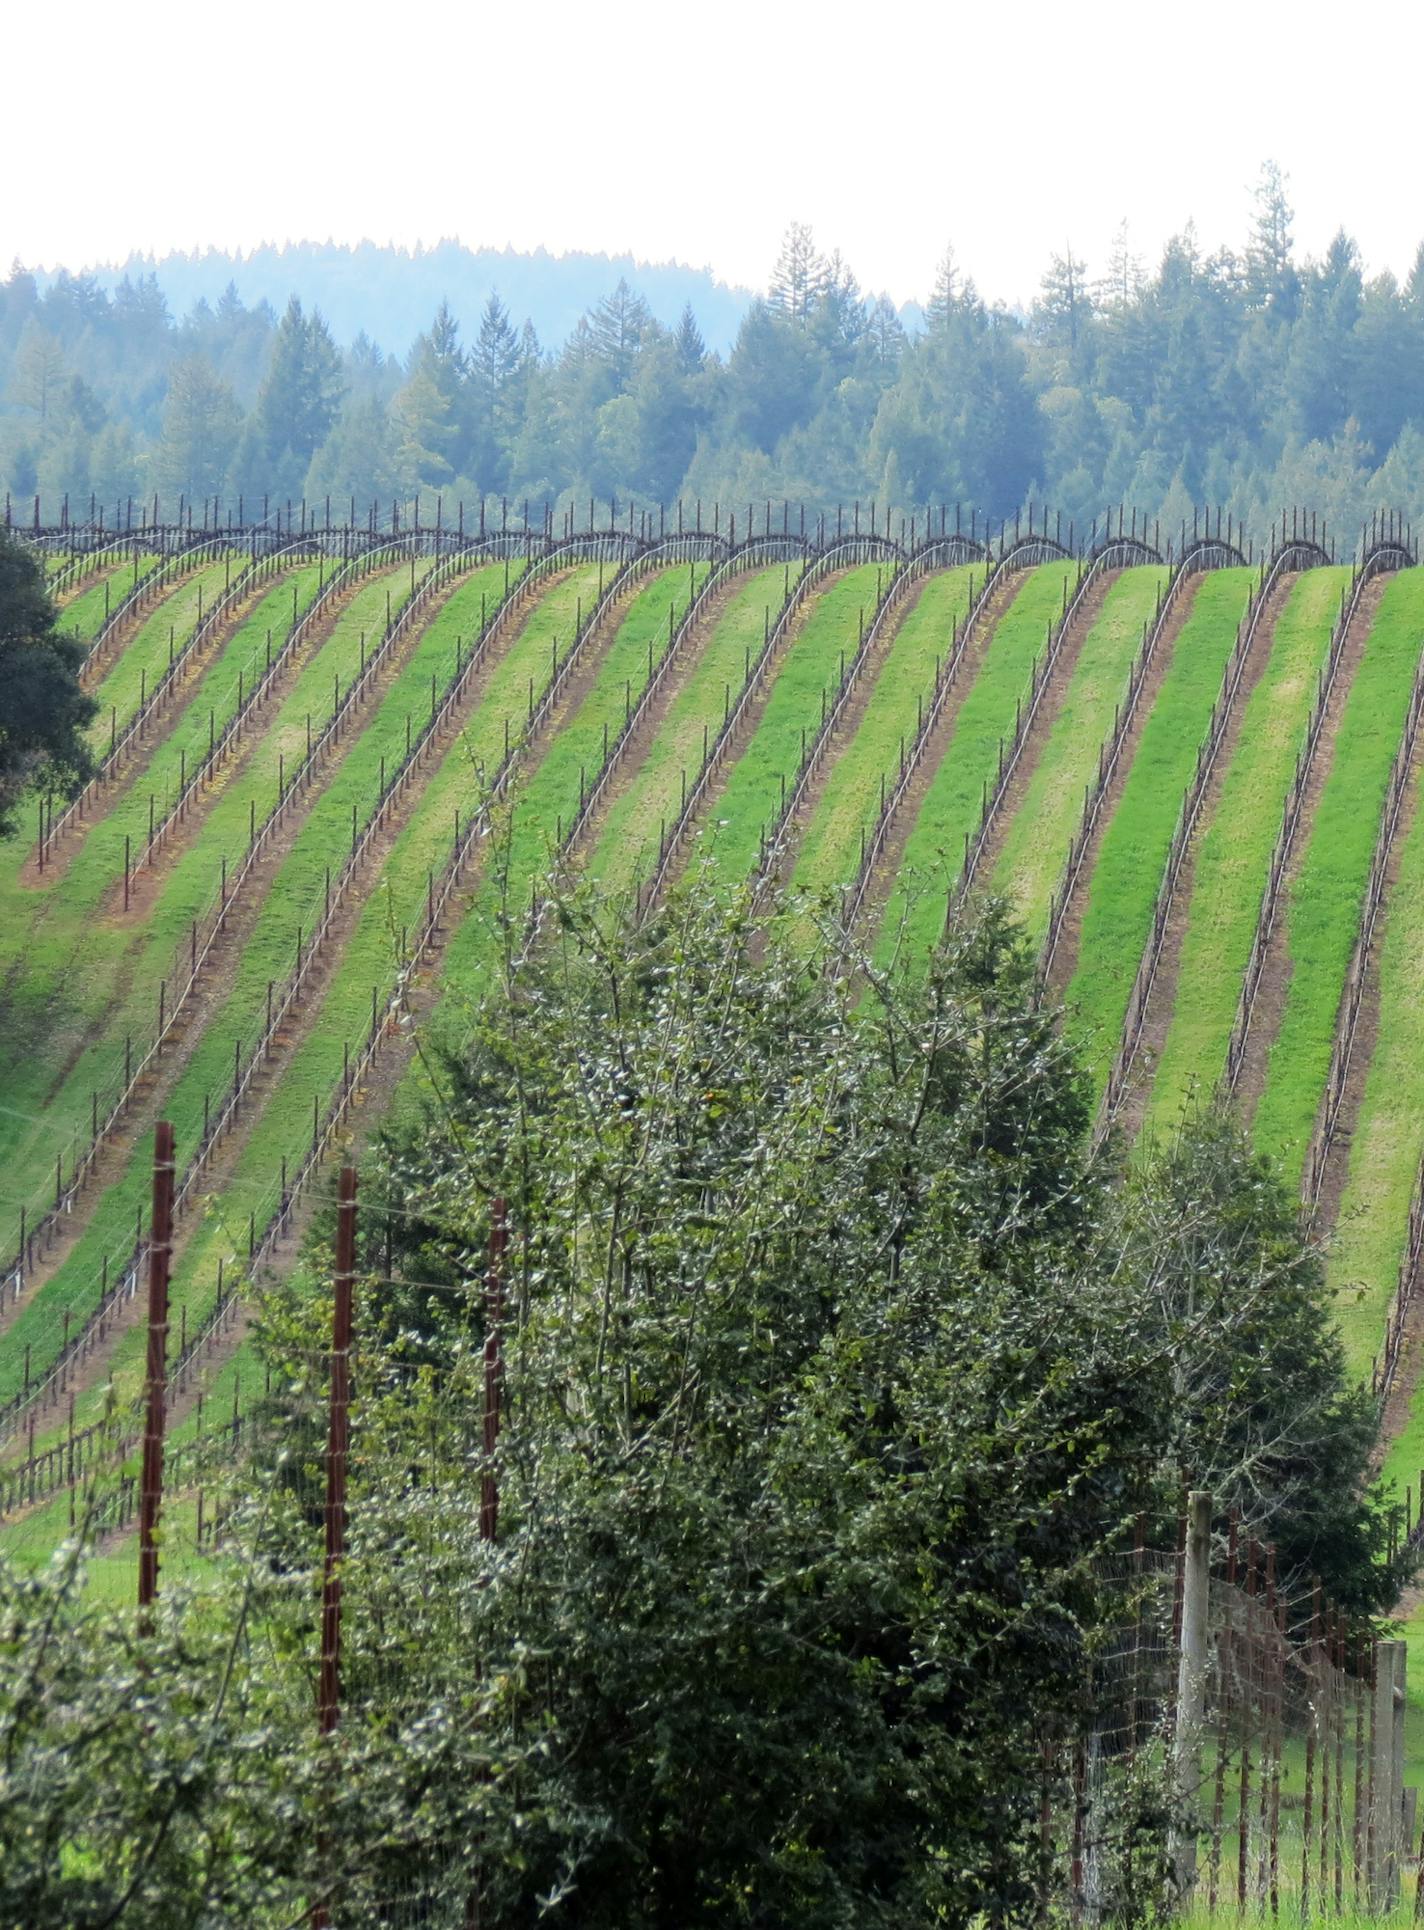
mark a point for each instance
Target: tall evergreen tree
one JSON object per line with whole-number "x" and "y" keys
{"x": 300, "y": 397}
{"x": 691, "y": 348}
{"x": 798, "y": 280}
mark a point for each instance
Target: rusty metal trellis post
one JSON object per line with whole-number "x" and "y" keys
{"x": 160, "y": 1252}
{"x": 494, "y": 1368}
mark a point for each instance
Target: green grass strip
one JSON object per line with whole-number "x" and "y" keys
{"x": 1323, "y": 905}
{"x": 830, "y": 852}
{"x": 90, "y": 980}
{"x": 626, "y": 849}
{"x": 1385, "y": 1146}
{"x": 42, "y": 911}
{"x": 1036, "y": 841}
{"x": 1233, "y": 855}
{"x": 752, "y": 794}
{"x": 370, "y": 957}
{"x": 159, "y": 638}
{"x": 1123, "y": 888}
{"x": 934, "y": 851}
{"x": 84, "y": 614}
{"x": 295, "y": 898}
{"x": 91, "y": 975}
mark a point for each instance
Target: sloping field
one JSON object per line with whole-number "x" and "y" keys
{"x": 1388, "y": 1140}
{"x": 831, "y": 844}
{"x": 1122, "y": 889}
{"x": 162, "y": 634}
{"x": 1035, "y": 843}
{"x": 933, "y": 856}
{"x": 1324, "y": 903}
{"x": 745, "y": 805}
{"x": 86, "y": 978}
{"x": 625, "y": 848}
{"x": 291, "y": 906}
{"x": 1234, "y": 850}
{"x": 359, "y": 846}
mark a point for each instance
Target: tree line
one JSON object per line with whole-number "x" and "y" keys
{"x": 1247, "y": 378}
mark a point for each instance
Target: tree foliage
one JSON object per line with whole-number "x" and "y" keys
{"x": 42, "y": 708}
{"x": 835, "y": 1367}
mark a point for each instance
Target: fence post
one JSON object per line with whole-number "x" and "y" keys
{"x": 1191, "y": 1687}
{"x": 1383, "y": 1863}
{"x": 1399, "y": 1837}
{"x": 160, "y": 1247}
{"x": 494, "y": 1315}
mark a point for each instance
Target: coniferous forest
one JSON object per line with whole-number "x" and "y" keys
{"x": 1247, "y": 376}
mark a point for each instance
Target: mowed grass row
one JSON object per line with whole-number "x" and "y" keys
{"x": 131, "y": 680}
{"x": 1368, "y": 1242}
{"x": 88, "y": 976}
{"x": 545, "y": 798}
{"x": 1323, "y": 902}
{"x": 36, "y": 915}
{"x": 933, "y": 857}
{"x": 1133, "y": 853}
{"x": 84, "y": 613}
{"x": 1233, "y": 854}
{"x": 293, "y": 904}
{"x": 625, "y": 851}
{"x": 372, "y": 956}
{"x": 830, "y": 852}
{"x": 1036, "y": 840}
{"x": 68, "y": 1005}
{"x": 747, "y": 802}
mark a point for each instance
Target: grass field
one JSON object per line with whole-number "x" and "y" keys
{"x": 88, "y": 977}
{"x": 1233, "y": 853}
{"x": 1368, "y": 1237}
{"x": 160, "y": 637}
{"x": 829, "y": 856}
{"x": 293, "y": 901}
{"x": 1125, "y": 879}
{"x": 90, "y": 858}
{"x": 1035, "y": 846}
{"x": 544, "y": 799}
{"x": 1323, "y": 903}
{"x": 84, "y": 613}
{"x": 746, "y": 803}
{"x": 373, "y": 954}
{"x": 76, "y": 976}
{"x": 626, "y": 848}
{"x": 934, "y": 852}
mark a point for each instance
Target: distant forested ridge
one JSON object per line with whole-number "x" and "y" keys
{"x": 1248, "y": 378}
{"x": 391, "y": 293}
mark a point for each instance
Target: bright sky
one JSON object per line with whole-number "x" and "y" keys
{"x": 697, "y": 133}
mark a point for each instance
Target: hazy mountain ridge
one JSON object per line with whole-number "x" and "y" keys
{"x": 390, "y": 293}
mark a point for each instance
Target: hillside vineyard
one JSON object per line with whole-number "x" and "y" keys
{"x": 337, "y": 758}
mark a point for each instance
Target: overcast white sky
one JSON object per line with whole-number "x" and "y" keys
{"x": 696, "y": 133}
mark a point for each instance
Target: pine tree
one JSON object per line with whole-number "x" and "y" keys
{"x": 1122, "y": 284}
{"x": 688, "y": 342}
{"x": 1270, "y": 278}
{"x": 954, "y": 293}
{"x": 432, "y": 409}
{"x": 1064, "y": 305}
{"x": 301, "y": 396}
{"x": 39, "y": 373}
{"x": 494, "y": 369}
{"x": 798, "y": 280}
{"x": 617, "y": 328}
{"x": 200, "y": 426}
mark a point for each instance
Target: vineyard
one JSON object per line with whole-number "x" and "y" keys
{"x": 336, "y": 762}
